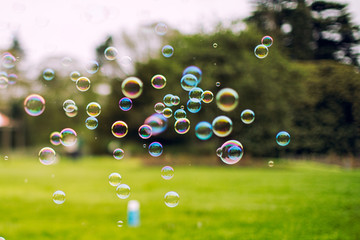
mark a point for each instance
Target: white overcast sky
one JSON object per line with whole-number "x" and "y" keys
{"x": 74, "y": 27}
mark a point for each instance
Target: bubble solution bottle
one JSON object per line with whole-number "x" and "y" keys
{"x": 133, "y": 213}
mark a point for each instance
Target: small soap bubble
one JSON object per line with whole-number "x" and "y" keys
{"x": 171, "y": 199}
{"x": 83, "y": 84}
{"x": 180, "y": 113}
{"x": 195, "y": 94}
{"x": 167, "y": 51}
{"x": 261, "y": 51}
{"x": 115, "y": 179}
{"x": 193, "y": 106}
{"x": 6, "y": 158}
{"x": 68, "y": 137}
{"x": 145, "y": 131}
{"x": 125, "y": 104}
{"x": 158, "y": 81}
{"x": 4, "y": 82}
{"x": 227, "y": 99}
{"x": 167, "y": 100}
{"x": 267, "y": 41}
{"x": 167, "y": 172}
{"x": 144, "y": 145}
{"x": 207, "y": 96}
{"x": 215, "y": 45}
{"x": 194, "y": 70}
{"x": 74, "y": 76}
{"x": 92, "y": 67}
{"x": 93, "y": 109}
{"x": 219, "y": 152}
{"x": 155, "y": 149}
{"x": 271, "y": 163}
{"x": 48, "y": 74}
{"x": 203, "y": 130}
{"x": 118, "y": 153}
{"x": 188, "y": 82}
{"x": 175, "y": 100}
{"x": 247, "y": 116}
{"x": 111, "y": 53}
{"x": 167, "y": 112}
{"x": 222, "y": 126}
{"x": 8, "y": 60}
{"x": 34, "y": 105}
{"x": 123, "y": 191}
{"x": 91, "y": 123}
{"x": 119, "y": 129}
{"x": 12, "y": 78}
{"x": 132, "y": 87}
{"x": 159, "y": 107}
{"x": 217, "y": 84}
{"x": 59, "y": 197}
{"x": 182, "y": 126}
{"x": 120, "y": 223}
{"x": 55, "y": 138}
{"x": 69, "y": 105}
{"x": 231, "y": 152}
{"x": 283, "y": 138}
{"x": 161, "y": 29}
{"x": 73, "y": 113}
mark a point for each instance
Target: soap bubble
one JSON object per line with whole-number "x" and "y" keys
{"x": 158, "y": 81}
{"x": 34, "y": 105}
{"x": 55, "y": 138}
{"x": 69, "y": 105}
{"x": 47, "y": 156}
{"x": 118, "y": 153}
{"x": 231, "y": 152}
{"x": 120, "y": 223}
{"x": 123, "y": 191}
{"x": 261, "y": 51}
{"x": 195, "y": 94}
{"x": 59, "y": 197}
{"x": 8, "y": 60}
{"x": 83, "y": 84}
{"x": 267, "y": 41}
{"x": 180, "y": 113}
{"x": 92, "y": 66}
{"x": 171, "y": 199}
{"x": 193, "y": 106}
{"x": 132, "y": 87}
{"x": 167, "y": 112}
{"x": 159, "y": 107}
{"x": 115, "y": 179}
{"x": 91, "y": 123}
{"x": 74, "y": 112}
{"x": 175, "y": 100}
{"x": 219, "y": 152}
{"x": 167, "y": 100}
{"x": 222, "y": 126}
{"x": 247, "y": 116}
{"x": 283, "y": 138}
{"x": 68, "y": 137}
{"x": 119, "y": 129}
{"x": 182, "y": 125}
{"x": 125, "y": 104}
{"x": 48, "y": 74}
{"x": 12, "y": 78}
{"x": 155, "y": 149}
{"x": 157, "y": 122}
{"x": 203, "y": 130}
{"x": 194, "y": 71}
{"x": 167, "y": 172}
{"x": 271, "y": 163}
{"x": 217, "y": 84}
{"x": 4, "y": 82}
{"x": 167, "y": 51}
{"x": 188, "y": 82}
{"x": 207, "y": 96}
{"x": 74, "y": 76}
{"x": 93, "y": 109}
{"x": 145, "y": 131}
{"x": 161, "y": 29}
{"x": 110, "y": 53}
{"x": 215, "y": 45}
{"x": 227, "y": 99}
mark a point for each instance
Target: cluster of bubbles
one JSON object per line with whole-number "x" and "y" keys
{"x": 262, "y": 50}
{"x": 7, "y": 77}
{"x": 122, "y": 190}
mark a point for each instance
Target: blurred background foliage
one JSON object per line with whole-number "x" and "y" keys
{"x": 308, "y": 85}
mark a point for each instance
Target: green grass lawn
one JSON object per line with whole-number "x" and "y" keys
{"x": 292, "y": 200}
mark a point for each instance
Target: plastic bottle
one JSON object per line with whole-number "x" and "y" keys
{"x": 133, "y": 213}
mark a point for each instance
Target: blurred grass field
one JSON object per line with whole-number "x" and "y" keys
{"x": 292, "y": 200}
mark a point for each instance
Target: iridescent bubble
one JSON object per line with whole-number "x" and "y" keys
{"x": 222, "y": 126}
{"x": 74, "y": 111}
{"x": 182, "y": 126}
{"x": 167, "y": 51}
{"x": 111, "y": 53}
{"x": 48, "y": 74}
{"x": 267, "y": 41}
{"x": 180, "y": 113}
{"x": 219, "y": 152}
{"x": 203, "y": 130}
{"x": 74, "y": 76}
{"x": 155, "y": 149}
{"x": 59, "y": 197}
{"x": 247, "y": 116}
{"x": 145, "y": 131}
{"x": 175, "y": 100}
{"x": 93, "y": 109}
{"x": 68, "y": 137}
{"x": 123, "y": 191}
{"x": 55, "y": 138}
{"x": 167, "y": 172}
{"x": 215, "y": 45}
{"x": 118, "y": 153}
{"x": 167, "y": 100}
{"x": 171, "y": 199}
{"x": 119, "y": 129}
{"x": 193, "y": 106}
{"x": 159, "y": 107}
{"x": 47, "y": 156}
{"x": 235, "y": 153}
{"x": 194, "y": 71}
{"x": 167, "y": 112}
{"x": 91, "y": 123}
{"x": 4, "y": 82}
{"x": 8, "y": 60}
{"x": 271, "y": 163}
{"x": 227, "y": 99}
{"x": 12, "y": 78}
{"x": 207, "y": 96}
{"x": 69, "y": 105}
{"x": 231, "y": 152}
{"x": 158, "y": 81}
{"x": 144, "y": 145}
{"x": 157, "y": 122}
{"x": 188, "y": 82}
{"x": 92, "y": 66}
{"x": 125, "y": 104}
{"x": 283, "y": 138}
{"x": 83, "y": 84}
{"x": 132, "y": 87}
{"x": 217, "y": 84}
{"x": 161, "y": 29}
{"x": 34, "y": 105}
{"x": 195, "y": 94}
{"x": 115, "y": 179}
{"x": 261, "y": 51}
